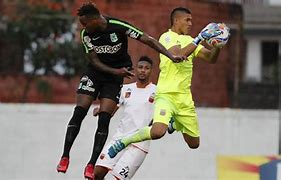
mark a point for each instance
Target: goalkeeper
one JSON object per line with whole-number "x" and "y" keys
{"x": 173, "y": 95}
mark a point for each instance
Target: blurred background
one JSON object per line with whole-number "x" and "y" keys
{"x": 41, "y": 59}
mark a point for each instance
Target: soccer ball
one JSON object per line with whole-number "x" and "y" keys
{"x": 220, "y": 40}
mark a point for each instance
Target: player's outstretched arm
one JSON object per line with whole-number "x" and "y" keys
{"x": 207, "y": 32}
{"x": 153, "y": 43}
{"x": 95, "y": 61}
{"x": 210, "y": 31}
{"x": 186, "y": 51}
{"x": 209, "y": 56}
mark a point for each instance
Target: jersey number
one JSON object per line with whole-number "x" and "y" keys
{"x": 124, "y": 172}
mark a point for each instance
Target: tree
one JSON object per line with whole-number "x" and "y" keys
{"x": 40, "y": 41}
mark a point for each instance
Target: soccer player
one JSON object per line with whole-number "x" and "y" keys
{"x": 136, "y": 109}
{"x": 105, "y": 40}
{"x": 173, "y": 95}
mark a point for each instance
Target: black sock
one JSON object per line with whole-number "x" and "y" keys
{"x": 100, "y": 136}
{"x": 73, "y": 129}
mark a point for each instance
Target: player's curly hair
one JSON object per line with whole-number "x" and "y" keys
{"x": 178, "y": 9}
{"x": 146, "y": 59}
{"x": 88, "y": 9}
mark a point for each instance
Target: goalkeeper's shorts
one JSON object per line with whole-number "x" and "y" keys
{"x": 179, "y": 106}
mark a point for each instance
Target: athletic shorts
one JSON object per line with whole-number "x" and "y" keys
{"x": 179, "y": 106}
{"x": 125, "y": 164}
{"x": 100, "y": 85}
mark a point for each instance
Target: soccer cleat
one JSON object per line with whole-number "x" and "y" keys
{"x": 116, "y": 148}
{"x": 171, "y": 129}
{"x": 89, "y": 172}
{"x": 63, "y": 165}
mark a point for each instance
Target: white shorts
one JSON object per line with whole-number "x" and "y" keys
{"x": 125, "y": 164}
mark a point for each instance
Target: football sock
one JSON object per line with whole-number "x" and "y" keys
{"x": 73, "y": 128}
{"x": 141, "y": 135}
{"x": 100, "y": 136}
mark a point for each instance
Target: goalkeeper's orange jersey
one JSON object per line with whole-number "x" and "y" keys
{"x": 175, "y": 77}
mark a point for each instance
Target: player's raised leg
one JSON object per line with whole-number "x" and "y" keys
{"x": 161, "y": 117}
{"x": 192, "y": 142}
{"x": 107, "y": 106}
{"x": 141, "y": 135}
{"x": 187, "y": 122}
{"x": 100, "y": 172}
{"x": 83, "y": 102}
{"x": 156, "y": 131}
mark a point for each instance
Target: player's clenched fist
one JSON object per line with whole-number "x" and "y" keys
{"x": 178, "y": 58}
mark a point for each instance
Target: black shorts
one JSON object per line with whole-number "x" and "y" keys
{"x": 101, "y": 85}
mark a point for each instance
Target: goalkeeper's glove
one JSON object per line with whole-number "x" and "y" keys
{"x": 211, "y": 30}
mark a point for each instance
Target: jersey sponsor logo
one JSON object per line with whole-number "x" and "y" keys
{"x": 113, "y": 37}
{"x": 124, "y": 171}
{"x": 107, "y": 49}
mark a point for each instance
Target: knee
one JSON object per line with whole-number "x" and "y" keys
{"x": 157, "y": 133}
{"x": 100, "y": 173}
{"x": 78, "y": 115}
{"x": 98, "y": 176}
{"x": 192, "y": 142}
{"x": 194, "y": 145}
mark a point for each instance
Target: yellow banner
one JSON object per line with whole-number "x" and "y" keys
{"x": 242, "y": 167}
